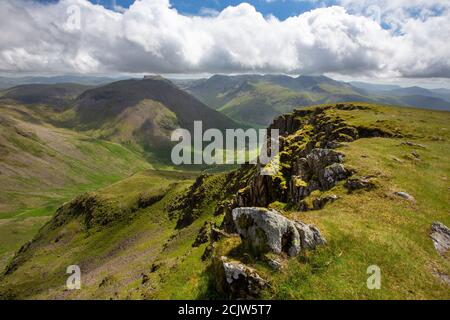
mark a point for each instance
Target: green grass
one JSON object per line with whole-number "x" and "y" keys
{"x": 123, "y": 250}
{"x": 263, "y": 102}
{"x": 43, "y": 166}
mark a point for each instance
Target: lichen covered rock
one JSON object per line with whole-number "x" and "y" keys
{"x": 362, "y": 183}
{"x": 236, "y": 280}
{"x": 440, "y": 234}
{"x": 266, "y": 230}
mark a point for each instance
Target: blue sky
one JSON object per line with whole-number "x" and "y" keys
{"x": 343, "y": 41}
{"x": 279, "y": 8}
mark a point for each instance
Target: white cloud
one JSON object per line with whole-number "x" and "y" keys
{"x": 151, "y": 36}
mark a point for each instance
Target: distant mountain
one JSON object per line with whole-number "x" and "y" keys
{"x": 445, "y": 93}
{"x": 9, "y": 82}
{"x": 374, "y": 87}
{"x": 257, "y": 99}
{"x": 421, "y": 101}
{"x": 56, "y": 96}
{"x": 143, "y": 111}
{"x": 394, "y": 90}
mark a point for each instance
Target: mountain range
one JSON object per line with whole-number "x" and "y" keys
{"x": 259, "y": 98}
{"x": 9, "y": 82}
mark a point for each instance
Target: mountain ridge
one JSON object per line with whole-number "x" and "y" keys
{"x": 243, "y": 95}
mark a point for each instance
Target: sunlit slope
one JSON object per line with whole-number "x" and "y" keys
{"x": 37, "y": 159}
{"x": 257, "y": 99}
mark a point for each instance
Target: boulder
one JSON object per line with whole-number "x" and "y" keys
{"x": 236, "y": 280}
{"x": 266, "y": 230}
{"x": 275, "y": 264}
{"x": 331, "y": 175}
{"x": 440, "y": 234}
{"x": 310, "y": 236}
{"x": 404, "y": 195}
{"x": 355, "y": 183}
{"x": 412, "y": 144}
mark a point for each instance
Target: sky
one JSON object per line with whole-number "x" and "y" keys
{"x": 380, "y": 40}
{"x": 282, "y": 9}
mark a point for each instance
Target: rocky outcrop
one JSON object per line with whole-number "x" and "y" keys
{"x": 440, "y": 234}
{"x": 202, "y": 236}
{"x": 146, "y": 200}
{"x": 321, "y": 169}
{"x": 236, "y": 280}
{"x": 185, "y": 208}
{"x": 264, "y": 230}
{"x": 316, "y": 203}
{"x": 309, "y": 163}
{"x": 363, "y": 183}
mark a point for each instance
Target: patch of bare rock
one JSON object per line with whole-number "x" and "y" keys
{"x": 440, "y": 234}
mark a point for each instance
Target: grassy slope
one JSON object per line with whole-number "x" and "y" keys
{"x": 362, "y": 229}
{"x": 119, "y": 253}
{"x": 263, "y": 101}
{"x": 367, "y": 228}
{"x": 42, "y": 166}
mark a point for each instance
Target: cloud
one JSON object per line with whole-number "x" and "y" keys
{"x": 153, "y": 37}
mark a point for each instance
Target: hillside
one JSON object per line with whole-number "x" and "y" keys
{"x": 9, "y": 82}
{"x": 371, "y": 178}
{"x": 56, "y": 96}
{"x": 41, "y": 166}
{"x": 267, "y": 96}
{"x": 53, "y": 148}
{"x": 144, "y": 112}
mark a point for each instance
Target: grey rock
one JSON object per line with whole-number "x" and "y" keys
{"x": 268, "y": 231}
{"x": 317, "y": 203}
{"x": 318, "y": 158}
{"x": 353, "y": 184}
{"x": 442, "y": 277}
{"x": 440, "y": 234}
{"x": 404, "y": 195}
{"x": 236, "y": 280}
{"x": 275, "y": 264}
{"x": 217, "y": 234}
{"x": 412, "y": 144}
{"x": 331, "y": 175}
{"x": 310, "y": 236}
